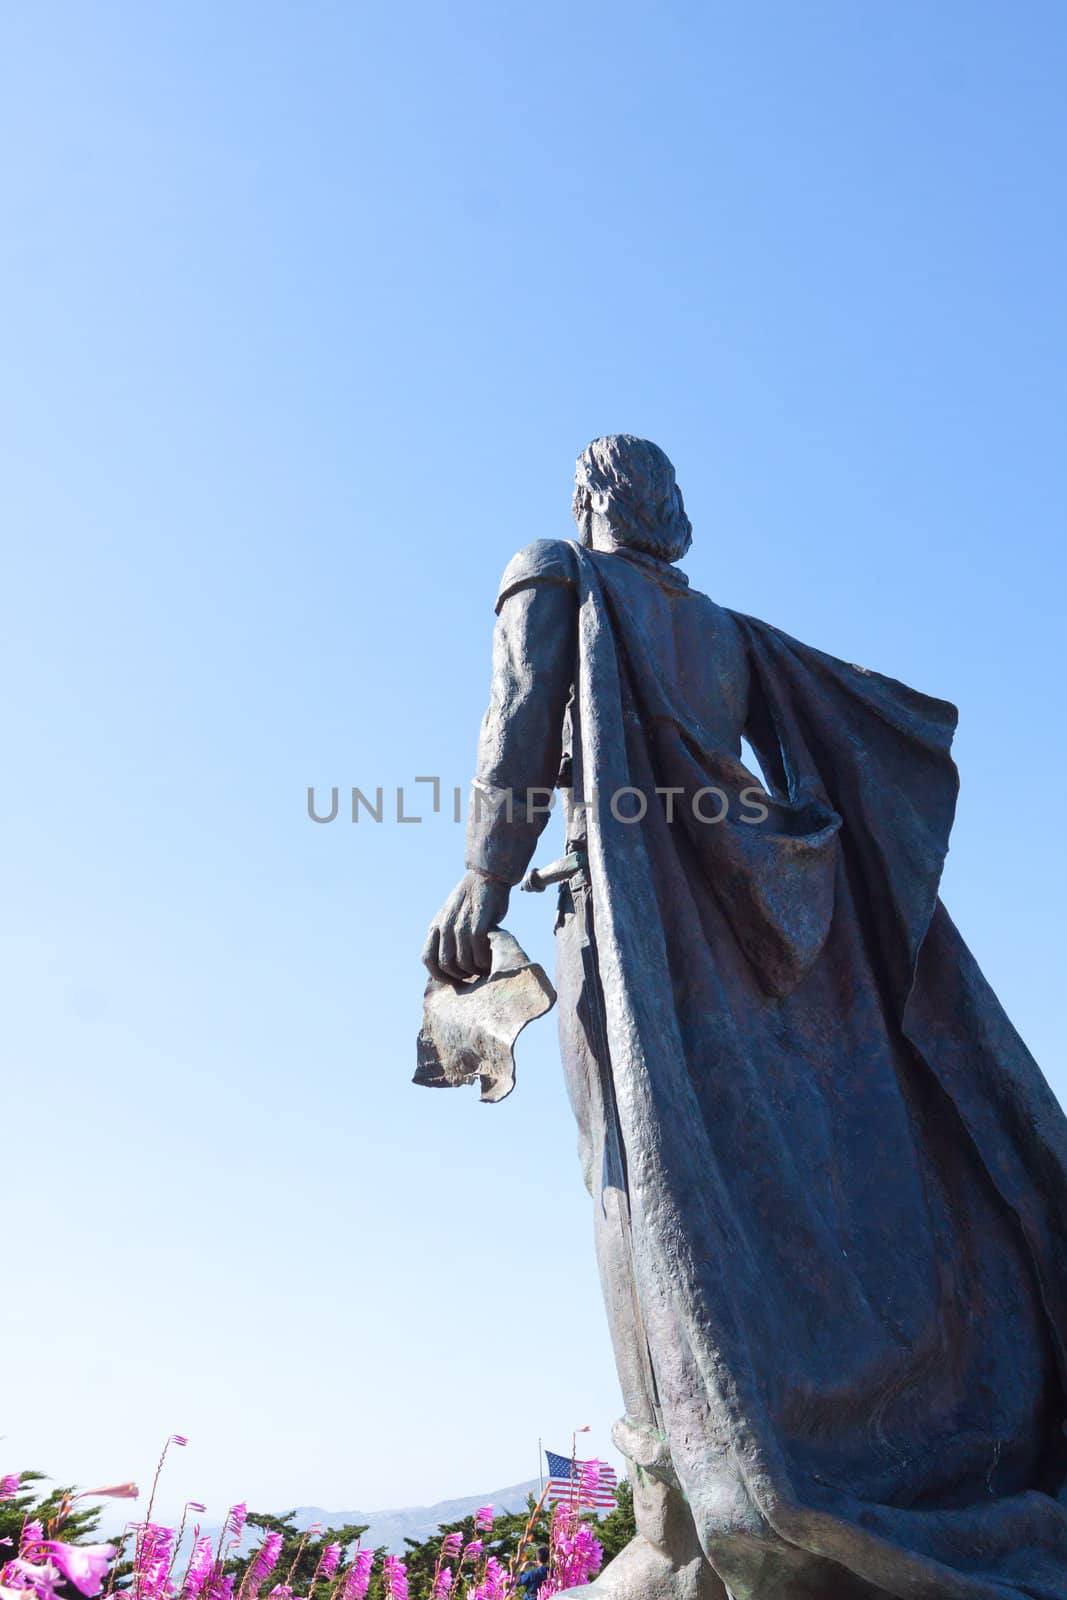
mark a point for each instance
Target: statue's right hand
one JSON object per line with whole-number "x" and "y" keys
{"x": 457, "y": 946}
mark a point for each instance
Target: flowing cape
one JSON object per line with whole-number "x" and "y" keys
{"x": 846, "y": 1175}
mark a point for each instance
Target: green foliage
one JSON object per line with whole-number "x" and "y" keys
{"x": 300, "y": 1555}
{"x": 30, "y": 1503}
{"x": 509, "y": 1532}
{"x": 420, "y": 1557}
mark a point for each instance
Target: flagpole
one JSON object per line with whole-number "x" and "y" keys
{"x": 540, "y": 1474}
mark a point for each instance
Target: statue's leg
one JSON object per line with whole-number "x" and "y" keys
{"x": 664, "y": 1561}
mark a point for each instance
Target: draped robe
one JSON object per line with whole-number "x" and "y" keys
{"x": 843, "y": 1177}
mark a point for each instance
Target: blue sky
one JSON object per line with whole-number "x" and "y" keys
{"x": 308, "y": 312}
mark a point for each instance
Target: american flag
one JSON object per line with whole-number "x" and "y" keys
{"x": 586, "y": 1483}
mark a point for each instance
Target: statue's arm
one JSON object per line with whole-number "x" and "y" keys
{"x": 534, "y": 647}
{"x": 522, "y": 731}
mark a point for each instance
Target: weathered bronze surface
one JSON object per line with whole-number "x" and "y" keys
{"x": 469, "y": 1029}
{"x": 829, "y": 1181}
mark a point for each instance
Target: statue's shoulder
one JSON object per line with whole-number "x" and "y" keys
{"x": 543, "y": 561}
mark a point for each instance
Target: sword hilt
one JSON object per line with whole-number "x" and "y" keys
{"x": 538, "y": 879}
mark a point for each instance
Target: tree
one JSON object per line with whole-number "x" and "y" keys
{"x": 420, "y": 1556}
{"x": 508, "y": 1532}
{"x": 78, "y": 1526}
{"x": 301, "y": 1553}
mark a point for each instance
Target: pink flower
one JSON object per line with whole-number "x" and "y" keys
{"x": 357, "y": 1578}
{"x": 331, "y": 1557}
{"x": 26, "y": 1578}
{"x": 483, "y": 1519}
{"x": 236, "y": 1518}
{"x": 395, "y": 1579}
{"x": 264, "y": 1562}
{"x": 451, "y": 1545}
{"x": 577, "y": 1554}
{"x": 84, "y": 1565}
{"x": 152, "y": 1560}
{"x": 32, "y": 1534}
{"x": 496, "y": 1583}
{"x": 442, "y": 1585}
{"x": 472, "y": 1552}
{"x": 177, "y": 1438}
{"x": 198, "y": 1571}
{"x": 9, "y": 1485}
{"x": 114, "y": 1491}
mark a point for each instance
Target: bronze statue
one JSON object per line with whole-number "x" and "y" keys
{"x": 829, "y": 1181}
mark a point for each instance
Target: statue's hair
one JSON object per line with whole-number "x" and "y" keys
{"x": 646, "y": 509}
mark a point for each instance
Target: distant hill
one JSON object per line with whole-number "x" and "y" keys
{"x": 392, "y": 1527}
{"x": 389, "y": 1528}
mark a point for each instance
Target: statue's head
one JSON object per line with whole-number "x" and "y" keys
{"x": 625, "y": 493}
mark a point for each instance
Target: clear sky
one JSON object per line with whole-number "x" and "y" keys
{"x": 307, "y": 312}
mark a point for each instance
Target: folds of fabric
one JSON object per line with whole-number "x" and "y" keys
{"x": 845, "y": 1176}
